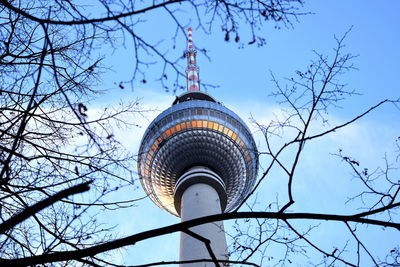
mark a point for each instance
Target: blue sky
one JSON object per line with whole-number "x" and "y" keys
{"x": 244, "y": 85}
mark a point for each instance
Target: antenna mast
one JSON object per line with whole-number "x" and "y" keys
{"x": 192, "y": 70}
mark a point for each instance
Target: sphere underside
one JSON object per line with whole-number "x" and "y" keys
{"x": 197, "y": 133}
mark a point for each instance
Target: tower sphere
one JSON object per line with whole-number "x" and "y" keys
{"x": 197, "y": 131}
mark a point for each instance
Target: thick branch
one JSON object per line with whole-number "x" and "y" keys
{"x": 29, "y": 211}
{"x": 84, "y": 21}
{"x": 206, "y": 242}
{"x": 131, "y": 240}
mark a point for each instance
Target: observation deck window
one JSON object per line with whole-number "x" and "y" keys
{"x": 216, "y": 125}
{"x": 183, "y": 125}
{"x": 234, "y": 135}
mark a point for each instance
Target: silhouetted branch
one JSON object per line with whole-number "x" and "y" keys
{"x": 30, "y": 211}
{"x": 303, "y": 237}
{"x": 206, "y": 243}
{"x": 375, "y": 211}
{"x": 86, "y": 21}
{"x": 193, "y": 261}
{"x": 133, "y": 239}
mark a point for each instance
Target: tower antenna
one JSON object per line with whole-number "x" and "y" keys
{"x": 192, "y": 70}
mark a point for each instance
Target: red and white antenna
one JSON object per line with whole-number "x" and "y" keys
{"x": 192, "y": 70}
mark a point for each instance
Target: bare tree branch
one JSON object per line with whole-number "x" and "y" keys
{"x": 30, "y": 211}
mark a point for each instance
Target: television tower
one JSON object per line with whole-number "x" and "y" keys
{"x": 198, "y": 158}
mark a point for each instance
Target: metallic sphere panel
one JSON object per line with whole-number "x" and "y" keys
{"x": 197, "y": 133}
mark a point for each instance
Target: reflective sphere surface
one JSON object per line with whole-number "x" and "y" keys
{"x": 197, "y": 131}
